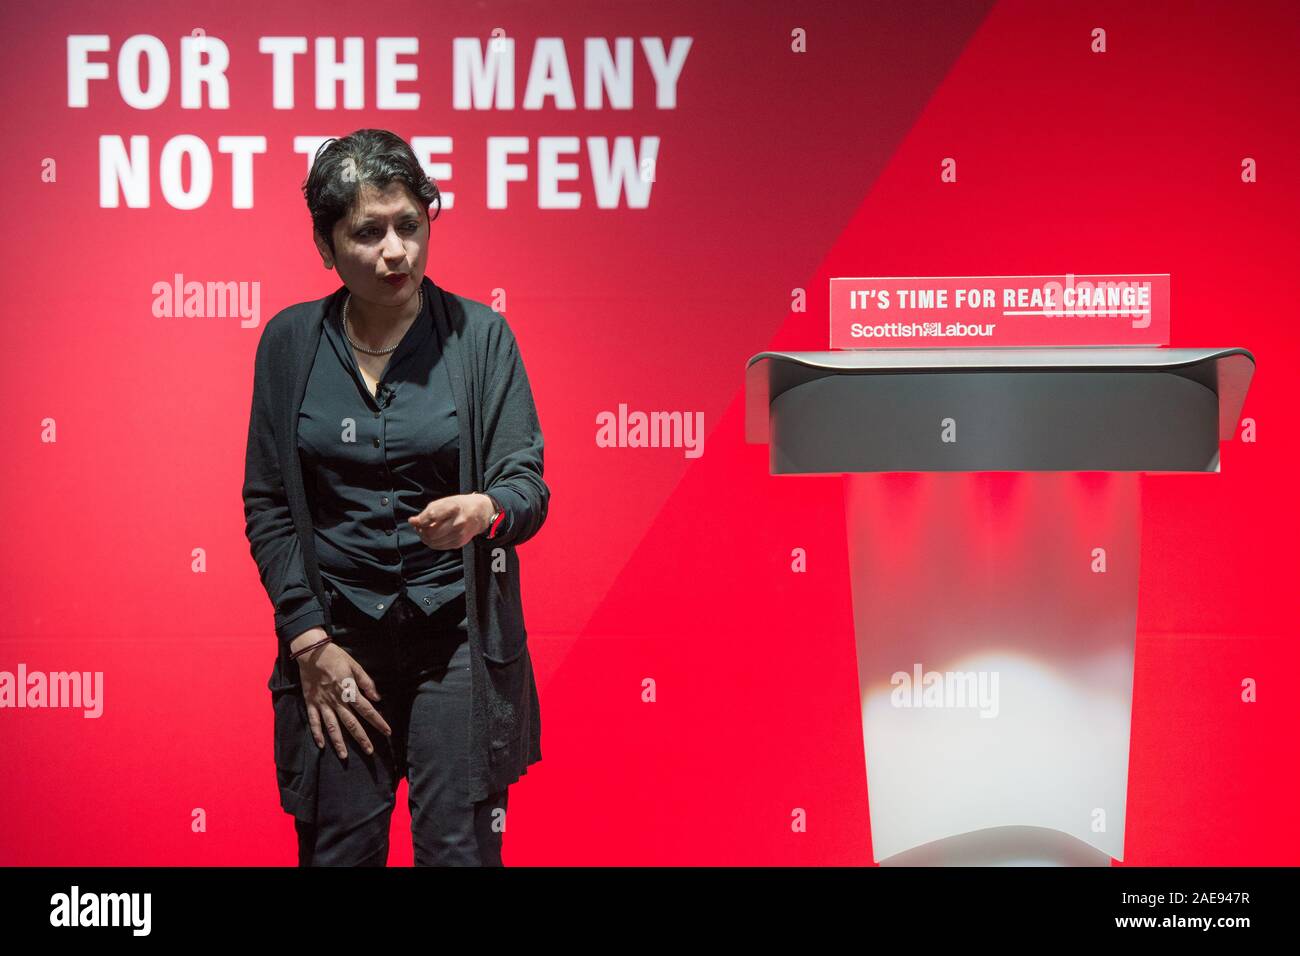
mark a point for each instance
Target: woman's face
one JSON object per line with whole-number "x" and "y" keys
{"x": 386, "y": 233}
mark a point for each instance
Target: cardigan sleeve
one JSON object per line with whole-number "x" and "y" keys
{"x": 512, "y": 440}
{"x": 272, "y": 538}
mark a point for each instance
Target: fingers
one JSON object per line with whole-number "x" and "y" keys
{"x": 363, "y": 706}
{"x": 431, "y": 514}
{"x": 368, "y": 711}
{"x": 353, "y": 727}
{"x": 331, "y": 724}
{"x": 446, "y": 523}
{"x": 337, "y": 719}
{"x": 364, "y": 681}
{"x": 313, "y": 718}
{"x": 447, "y": 537}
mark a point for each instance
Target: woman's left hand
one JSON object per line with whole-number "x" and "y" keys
{"x": 449, "y": 523}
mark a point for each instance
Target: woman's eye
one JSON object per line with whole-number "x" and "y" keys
{"x": 410, "y": 227}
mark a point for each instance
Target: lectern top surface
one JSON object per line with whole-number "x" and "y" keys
{"x": 1078, "y": 357}
{"x": 1226, "y": 371}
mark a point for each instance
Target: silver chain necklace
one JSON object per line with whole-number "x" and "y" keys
{"x": 362, "y": 348}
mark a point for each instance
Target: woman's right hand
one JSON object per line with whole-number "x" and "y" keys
{"x": 328, "y": 672}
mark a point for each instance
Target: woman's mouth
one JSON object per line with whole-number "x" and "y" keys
{"x": 396, "y": 279}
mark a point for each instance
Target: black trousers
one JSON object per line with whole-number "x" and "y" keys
{"x": 420, "y": 664}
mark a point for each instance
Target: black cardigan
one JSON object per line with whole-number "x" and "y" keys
{"x": 501, "y": 454}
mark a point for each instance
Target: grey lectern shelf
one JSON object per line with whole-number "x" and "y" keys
{"x": 1008, "y": 409}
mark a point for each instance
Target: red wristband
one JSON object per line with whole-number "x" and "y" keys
{"x": 310, "y": 647}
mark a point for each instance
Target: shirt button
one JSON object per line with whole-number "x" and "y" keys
{"x": 383, "y": 501}
{"x": 426, "y": 600}
{"x": 380, "y": 606}
{"x": 376, "y": 442}
{"x": 388, "y": 531}
{"x": 377, "y": 414}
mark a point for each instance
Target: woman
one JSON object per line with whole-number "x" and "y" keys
{"x": 394, "y": 464}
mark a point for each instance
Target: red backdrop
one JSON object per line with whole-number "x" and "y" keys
{"x": 776, "y": 171}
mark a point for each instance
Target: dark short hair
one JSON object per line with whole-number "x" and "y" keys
{"x": 375, "y": 157}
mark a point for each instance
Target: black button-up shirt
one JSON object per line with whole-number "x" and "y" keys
{"x": 369, "y": 463}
